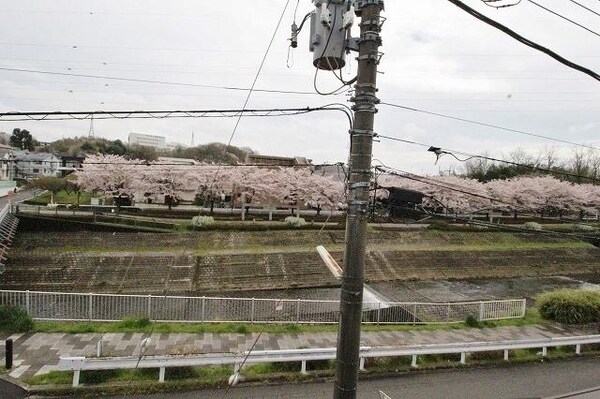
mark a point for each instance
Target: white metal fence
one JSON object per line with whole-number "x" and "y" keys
{"x": 110, "y": 307}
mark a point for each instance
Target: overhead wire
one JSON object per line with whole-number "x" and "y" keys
{"x": 524, "y": 40}
{"x": 424, "y": 180}
{"x": 151, "y": 81}
{"x": 563, "y": 17}
{"x": 472, "y": 156}
{"x": 165, "y": 114}
{"x": 585, "y": 7}
{"x": 489, "y": 125}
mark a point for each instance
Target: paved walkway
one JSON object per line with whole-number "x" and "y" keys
{"x": 39, "y": 353}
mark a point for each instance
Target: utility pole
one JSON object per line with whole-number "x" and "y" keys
{"x": 361, "y": 136}
{"x": 330, "y": 40}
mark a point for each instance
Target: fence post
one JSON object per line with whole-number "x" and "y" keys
{"x": 203, "y": 307}
{"x": 28, "y": 303}
{"x": 90, "y": 300}
{"x": 448, "y": 312}
{"x": 298, "y": 311}
{"x": 415, "y": 313}
{"x": 150, "y": 307}
{"x": 252, "y": 312}
{"x": 378, "y": 312}
{"x": 524, "y": 309}
{"x": 481, "y": 310}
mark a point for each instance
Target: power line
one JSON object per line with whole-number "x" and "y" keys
{"x": 563, "y": 17}
{"x": 524, "y": 40}
{"x": 161, "y": 82}
{"x": 470, "y": 156}
{"x": 165, "y": 114}
{"x": 583, "y": 6}
{"x": 425, "y": 180}
{"x": 489, "y": 125}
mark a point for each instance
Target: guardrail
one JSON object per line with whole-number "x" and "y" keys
{"x": 78, "y": 364}
{"x": 111, "y": 307}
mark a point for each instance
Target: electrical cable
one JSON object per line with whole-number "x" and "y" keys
{"x": 165, "y": 114}
{"x": 424, "y": 180}
{"x": 492, "y": 126}
{"x": 471, "y": 156}
{"x": 161, "y": 82}
{"x": 563, "y": 17}
{"x": 492, "y": 3}
{"x": 587, "y": 8}
{"x": 524, "y": 40}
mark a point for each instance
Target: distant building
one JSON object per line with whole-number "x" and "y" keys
{"x": 178, "y": 161}
{"x": 31, "y": 165}
{"x": 147, "y": 140}
{"x": 68, "y": 164}
{"x": 7, "y": 162}
{"x": 256, "y": 159}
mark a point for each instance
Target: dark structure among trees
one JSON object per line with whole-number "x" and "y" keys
{"x": 402, "y": 203}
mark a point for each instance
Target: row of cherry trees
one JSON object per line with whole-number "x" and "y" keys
{"x": 114, "y": 175}
{"x": 526, "y": 194}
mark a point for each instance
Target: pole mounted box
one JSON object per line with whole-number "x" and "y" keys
{"x": 329, "y": 30}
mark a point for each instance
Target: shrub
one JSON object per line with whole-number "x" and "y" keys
{"x": 203, "y": 221}
{"x": 471, "y": 321}
{"x": 295, "y": 221}
{"x": 14, "y": 319}
{"x": 533, "y": 226}
{"x": 583, "y": 227}
{"x": 570, "y": 306}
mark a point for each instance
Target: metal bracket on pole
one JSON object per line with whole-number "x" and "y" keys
{"x": 360, "y": 4}
{"x": 360, "y": 132}
{"x": 359, "y": 185}
{"x": 375, "y": 56}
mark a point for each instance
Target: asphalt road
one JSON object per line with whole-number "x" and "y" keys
{"x": 513, "y": 382}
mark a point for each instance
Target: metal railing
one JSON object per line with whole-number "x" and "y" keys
{"x": 79, "y": 363}
{"x": 111, "y": 307}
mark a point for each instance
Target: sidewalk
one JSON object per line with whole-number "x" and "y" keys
{"x": 39, "y": 353}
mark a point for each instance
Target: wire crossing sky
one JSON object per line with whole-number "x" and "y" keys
{"x": 147, "y": 55}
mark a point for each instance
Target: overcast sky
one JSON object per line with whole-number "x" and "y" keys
{"x": 437, "y": 58}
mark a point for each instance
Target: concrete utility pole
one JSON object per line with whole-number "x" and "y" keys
{"x": 365, "y": 100}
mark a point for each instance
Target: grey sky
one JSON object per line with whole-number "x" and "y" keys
{"x": 436, "y": 58}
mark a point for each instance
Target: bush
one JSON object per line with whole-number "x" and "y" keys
{"x": 570, "y": 306}
{"x": 14, "y": 319}
{"x": 533, "y": 226}
{"x": 471, "y": 321}
{"x": 583, "y": 228}
{"x": 295, "y": 221}
{"x": 203, "y": 221}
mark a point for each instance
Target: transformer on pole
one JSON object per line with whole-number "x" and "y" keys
{"x": 330, "y": 41}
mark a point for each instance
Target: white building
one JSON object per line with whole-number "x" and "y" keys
{"x": 147, "y": 140}
{"x": 36, "y": 164}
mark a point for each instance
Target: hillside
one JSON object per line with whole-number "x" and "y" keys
{"x": 205, "y": 263}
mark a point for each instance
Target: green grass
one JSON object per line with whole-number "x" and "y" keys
{"x": 209, "y": 375}
{"x": 62, "y": 197}
{"x": 143, "y": 325}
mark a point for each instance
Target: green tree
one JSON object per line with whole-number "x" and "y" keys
{"x": 22, "y": 139}
{"x": 52, "y": 184}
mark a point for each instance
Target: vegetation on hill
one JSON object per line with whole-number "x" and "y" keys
{"x": 210, "y": 153}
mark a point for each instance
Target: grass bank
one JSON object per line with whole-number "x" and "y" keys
{"x": 143, "y": 325}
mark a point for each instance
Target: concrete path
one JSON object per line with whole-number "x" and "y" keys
{"x": 39, "y": 353}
